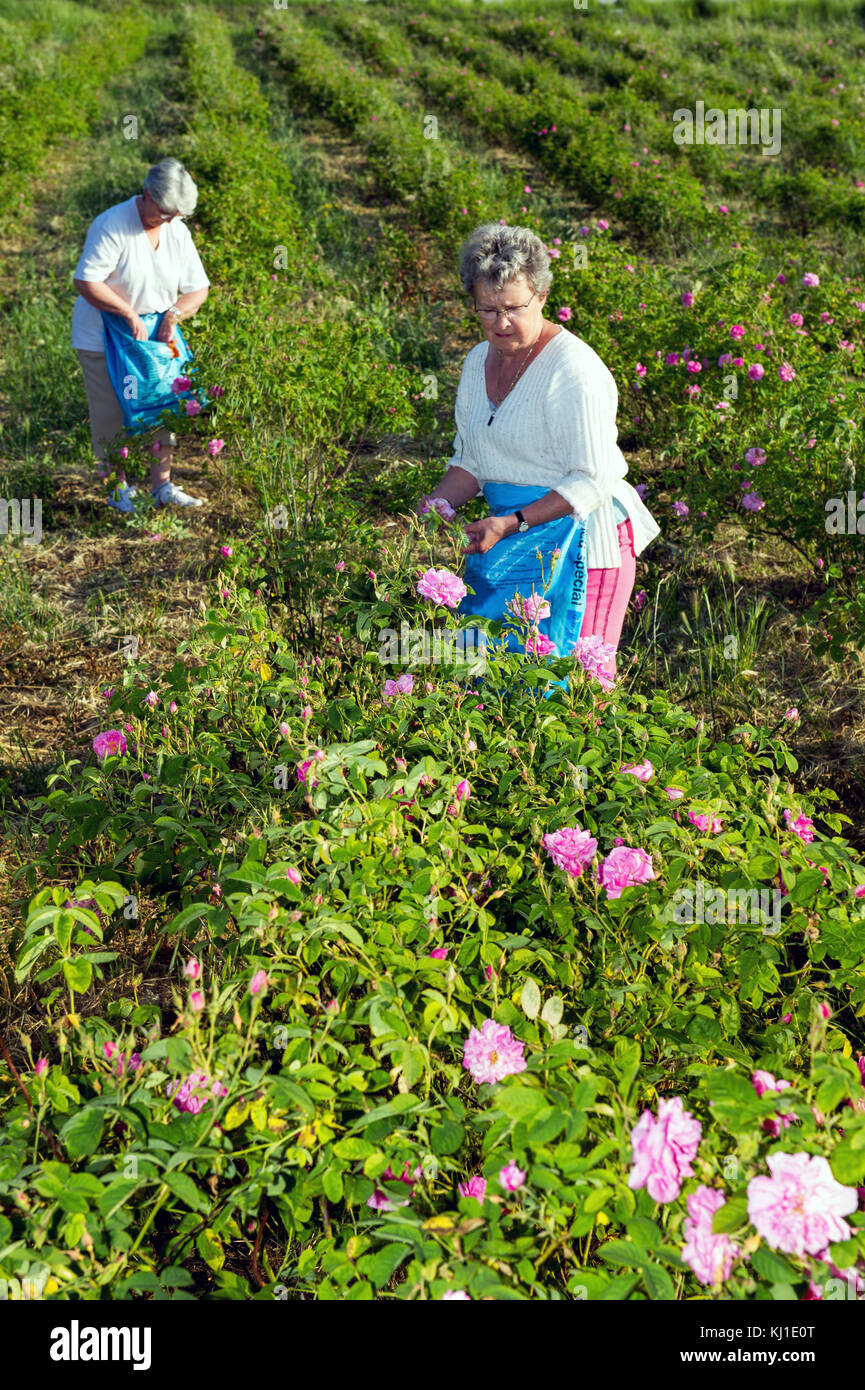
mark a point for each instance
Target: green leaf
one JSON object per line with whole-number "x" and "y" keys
{"x": 848, "y": 1164}
{"x": 623, "y": 1252}
{"x": 530, "y": 999}
{"x": 182, "y": 1186}
{"x": 380, "y": 1266}
{"x": 78, "y": 973}
{"x": 658, "y": 1283}
{"x": 332, "y": 1185}
{"x": 809, "y": 882}
{"x": 553, "y": 1009}
{"x": 82, "y": 1132}
{"x": 210, "y": 1248}
{"x": 773, "y": 1267}
{"x": 518, "y": 1102}
{"x": 730, "y": 1216}
{"x": 447, "y": 1137}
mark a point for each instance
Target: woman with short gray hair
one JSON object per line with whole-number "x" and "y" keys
{"x": 536, "y": 433}
{"x": 138, "y": 259}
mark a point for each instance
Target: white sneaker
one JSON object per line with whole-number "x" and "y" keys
{"x": 168, "y": 495}
{"x": 121, "y": 498}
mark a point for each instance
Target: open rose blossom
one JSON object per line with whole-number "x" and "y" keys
{"x": 442, "y": 586}
{"x": 623, "y": 868}
{"x": 596, "y": 656}
{"x": 110, "y": 743}
{"x": 800, "y": 1208}
{"x": 801, "y": 825}
{"x": 710, "y": 1257}
{"x": 642, "y": 771}
{"x": 538, "y": 644}
{"x": 493, "y": 1053}
{"x": 529, "y": 610}
{"x": 474, "y": 1187}
{"x": 571, "y": 849}
{"x": 663, "y": 1150}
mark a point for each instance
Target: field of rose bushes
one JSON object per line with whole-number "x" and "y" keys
{"x": 325, "y": 978}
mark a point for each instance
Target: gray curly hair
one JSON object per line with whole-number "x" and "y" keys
{"x": 172, "y": 187}
{"x": 499, "y": 254}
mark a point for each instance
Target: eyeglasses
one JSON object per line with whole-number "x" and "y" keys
{"x": 163, "y": 215}
{"x": 513, "y": 311}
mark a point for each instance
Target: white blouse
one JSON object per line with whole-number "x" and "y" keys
{"x": 556, "y": 429}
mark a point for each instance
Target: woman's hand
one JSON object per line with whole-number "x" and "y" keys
{"x": 139, "y": 332}
{"x": 166, "y": 330}
{"x": 485, "y": 534}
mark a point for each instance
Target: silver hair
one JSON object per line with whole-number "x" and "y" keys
{"x": 499, "y": 254}
{"x": 172, "y": 187}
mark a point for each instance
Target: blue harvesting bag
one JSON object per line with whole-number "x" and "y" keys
{"x": 142, "y": 372}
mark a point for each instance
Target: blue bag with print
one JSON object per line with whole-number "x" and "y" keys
{"x": 142, "y": 372}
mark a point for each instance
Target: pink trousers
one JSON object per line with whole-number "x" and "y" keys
{"x": 608, "y": 593}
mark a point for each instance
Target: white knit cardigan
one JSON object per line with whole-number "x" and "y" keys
{"x": 555, "y": 429}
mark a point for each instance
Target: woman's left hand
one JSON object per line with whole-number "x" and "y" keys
{"x": 485, "y": 534}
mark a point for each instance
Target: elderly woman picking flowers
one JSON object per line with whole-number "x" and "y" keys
{"x": 536, "y": 433}
{"x": 138, "y": 259}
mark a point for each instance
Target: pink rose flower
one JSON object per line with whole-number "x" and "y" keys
{"x": 193, "y": 408}
{"x": 259, "y": 982}
{"x": 439, "y": 953}
{"x": 623, "y": 868}
{"x": 571, "y": 849}
{"x": 227, "y": 551}
{"x": 41, "y": 1066}
{"x": 111, "y": 743}
{"x": 192, "y": 969}
{"x": 642, "y": 771}
{"x": 492, "y": 1053}
{"x": 800, "y": 1208}
{"x": 440, "y": 505}
{"x": 443, "y": 587}
{"x": 596, "y": 656}
{"x": 674, "y": 794}
{"x": 538, "y": 644}
{"x": 753, "y": 502}
{"x": 180, "y": 384}
{"x": 216, "y": 446}
{"x": 710, "y": 1256}
{"x": 664, "y": 1148}
{"x": 810, "y": 281}
{"x": 511, "y": 1177}
{"x": 293, "y": 875}
{"x": 196, "y": 1001}
{"x": 474, "y": 1187}
{"x": 802, "y": 826}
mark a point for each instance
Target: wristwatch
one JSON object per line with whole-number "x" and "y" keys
{"x": 523, "y": 524}
{"x": 175, "y": 311}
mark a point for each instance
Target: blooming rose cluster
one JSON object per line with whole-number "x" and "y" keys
{"x": 194, "y": 1093}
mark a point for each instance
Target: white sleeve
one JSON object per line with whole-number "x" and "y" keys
{"x": 101, "y": 253}
{"x": 461, "y": 457}
{"x": 192, "y": 272}
{"x": 586, "y": 439}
